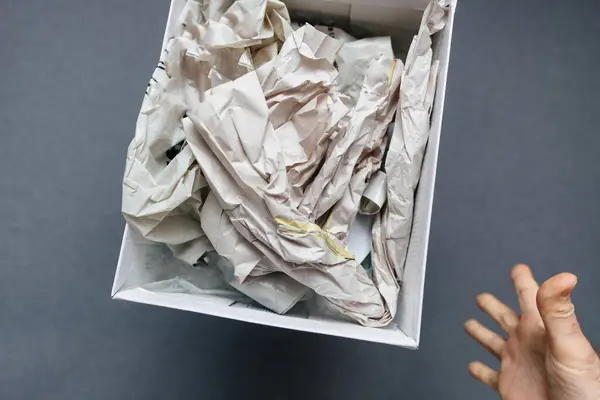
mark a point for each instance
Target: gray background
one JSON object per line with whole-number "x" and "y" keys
{"x": 519, "y": 181}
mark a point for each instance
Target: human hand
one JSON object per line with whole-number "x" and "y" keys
{"x": 545, "y": 356}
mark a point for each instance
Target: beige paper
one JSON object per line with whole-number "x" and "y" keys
{"x": 273, "y": 289}
{"x": 158, "y": 195}
{"x": 161, "y": 198}
{"x": 245, "y": 23}
{"x": 366, "y": 127}
{"x": 301, "y": 71}
{"x": 353, "y": 62}
{"x": 391, "y": 229}
{"x": 285, "y": 145}
{"x": 250, "y": 183}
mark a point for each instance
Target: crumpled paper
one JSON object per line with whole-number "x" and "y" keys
{"x": 248, "y": 178}
{"x": 162, "y": 198}
{"x": 252, "y": 152}
{"x": 371, "y": 147}
{"x": 353, "y": 60}
{"x": 238, "y": 259}
{"x": 391, "y": 228}
{"x": 367, "y": 123}
{"x": 302, "y": 69}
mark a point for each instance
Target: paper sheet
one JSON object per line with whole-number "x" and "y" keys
{"x": 159, "y": 197}
{"x": 368, "y": 122}
{"x": 251, "y": 186}
{"x": 391, "y": 229}
{"x": 353, "y": 62}
{"x": 162, "y": 197}
{"x": 253, "y": 151}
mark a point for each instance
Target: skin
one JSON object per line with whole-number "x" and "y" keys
{"x": 545, "y": 354}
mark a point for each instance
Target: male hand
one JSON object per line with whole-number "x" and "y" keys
{"x": 545, "y": 354}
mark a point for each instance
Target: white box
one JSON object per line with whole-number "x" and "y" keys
{"x": 142, "y": 262}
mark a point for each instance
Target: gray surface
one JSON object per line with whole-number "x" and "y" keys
{"x": 519, "y": 180}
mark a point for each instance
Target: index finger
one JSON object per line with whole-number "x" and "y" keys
{"x": 526, "y": 288}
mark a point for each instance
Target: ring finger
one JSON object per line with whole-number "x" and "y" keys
{"x": 500, "y": 312}
{"x": 493, "y": 342}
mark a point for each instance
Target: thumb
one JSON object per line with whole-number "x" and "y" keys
{"x": 567, "y": 342}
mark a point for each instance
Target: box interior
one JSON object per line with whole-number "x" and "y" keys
{"x": 147, "y": 272}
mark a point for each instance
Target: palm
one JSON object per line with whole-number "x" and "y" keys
{"x": 522, "y": 371}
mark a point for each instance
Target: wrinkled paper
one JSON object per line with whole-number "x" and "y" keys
{"x": 391, "y": 228}
{"x": 257, "y": 140}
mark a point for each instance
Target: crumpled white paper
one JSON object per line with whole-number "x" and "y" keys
{"x": 391, "y": 228}
{"x": 353, "y": 61}
{"x": 274, "y": 149}
{"x": 249, "y": 179}
{"x": 238, "y": 259}
{"x": 367, "y": 123}
{"x": 162, "y": 198}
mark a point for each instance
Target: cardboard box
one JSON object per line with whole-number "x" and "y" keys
{"x": 142, "y": 262}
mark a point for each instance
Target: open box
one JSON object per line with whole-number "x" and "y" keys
{"x": 142, "y": 263}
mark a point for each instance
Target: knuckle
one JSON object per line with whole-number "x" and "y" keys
{"x": 522, "y": 292}
{"x": 496, "y": 347}
{"x": 526, "y": 289}
{"x": 564, "y": 311}
{"x": 506, "y": 319}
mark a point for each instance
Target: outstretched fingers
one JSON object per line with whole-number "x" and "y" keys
{"x": 500, "y": 312}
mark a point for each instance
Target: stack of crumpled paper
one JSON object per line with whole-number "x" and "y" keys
{"x": 256, "y": 143}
